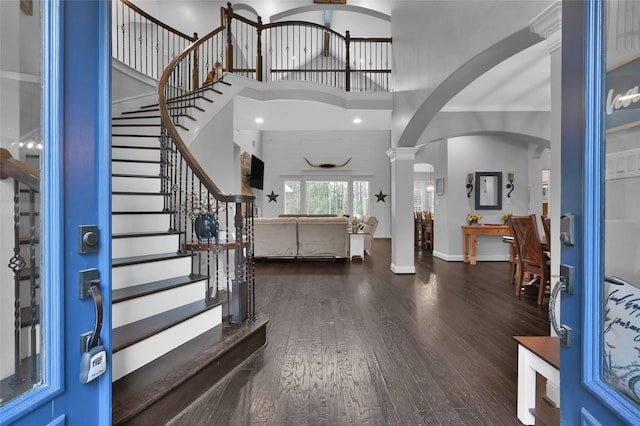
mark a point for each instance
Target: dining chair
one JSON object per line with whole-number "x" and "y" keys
{"x": 417, "y": 229}
{"x": 546, "y": 225}
{"x": 427, "y": 230}
{"x": 532, "y": 259}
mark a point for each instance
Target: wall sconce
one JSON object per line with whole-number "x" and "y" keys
{"x": 469, "y": 184}
{"x": 510, "y": 186}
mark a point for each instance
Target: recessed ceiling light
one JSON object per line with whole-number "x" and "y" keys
{"x": 357, "y": 121}
{"x": 259, "y": 120}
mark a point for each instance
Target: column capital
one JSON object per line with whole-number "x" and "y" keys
{"x": 548, "y": 24}
{"x": 402, "y": 153}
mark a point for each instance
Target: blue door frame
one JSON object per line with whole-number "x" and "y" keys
{"x": 76, "y": 190}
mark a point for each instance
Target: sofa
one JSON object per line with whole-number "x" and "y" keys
{"x": 301, "y": 237}
{"x": 367, "y": 226}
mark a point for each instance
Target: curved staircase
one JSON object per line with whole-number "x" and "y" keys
{"x": 169, "y": 341}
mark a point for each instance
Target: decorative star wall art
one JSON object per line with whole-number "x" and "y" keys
{"x": 273, "y": 197}
{"x": 381, "y": 197}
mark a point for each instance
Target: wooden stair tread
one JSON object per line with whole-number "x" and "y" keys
{"x": 139, "y": 193}
{"x": 124, "y": 160}
{"x": 129, "y": 175}
{"x": 161, "y": 389}
{"x": 25, "y": 316}
{"x": 140, "y": 290}
{"x": 133, "y": 135}
{"x": 137, "y": 125}
{"x": 136, "y": 118}
{"x": 147, "y": 258}
{"x": 144, "y": 234}
{"x": 142, "y": 212}
{"x": 155, "y": 148}
{"x": 137, "y": 331}
{"x": 25, "y": 274}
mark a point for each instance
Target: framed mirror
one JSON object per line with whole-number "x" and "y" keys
{"x": 488, "y": 191}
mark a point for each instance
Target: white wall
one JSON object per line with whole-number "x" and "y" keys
{"x": 214, "y": 150}
{"x": 284, "y": 153}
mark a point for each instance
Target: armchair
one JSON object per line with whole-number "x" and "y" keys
{"x": 368, "y": 225}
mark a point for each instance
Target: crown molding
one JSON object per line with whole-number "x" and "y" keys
{"x": 548, "y": 24}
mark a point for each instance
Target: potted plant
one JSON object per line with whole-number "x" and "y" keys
{"x": 505, "y": 218}
{"x": 354, "y": 224}
{"x": 473, "y": 218}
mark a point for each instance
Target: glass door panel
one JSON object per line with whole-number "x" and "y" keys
{"x": 620, "y": 343}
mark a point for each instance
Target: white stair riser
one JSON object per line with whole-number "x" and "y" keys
{"x": 140, "y": 246}
{"x": 137, "y": 203}
{"x": 25, "y": 342}
{"x": 137, "y": 130}
{"x": 133, "y": 121}
{"x": 119, "y": 183}
{"x": 136, "y": 168}
{"x": 135, "y": 356}
{"x": 135, "y": 154}
{"x": 124, "y": 223}
{"x": 135, "y": 141}
{"x": 132, "y": 310}
{"x": 126, "y": 276}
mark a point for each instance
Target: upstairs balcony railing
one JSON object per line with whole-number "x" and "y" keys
{"x": 291, "y": 50}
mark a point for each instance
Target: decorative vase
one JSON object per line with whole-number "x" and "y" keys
{"x": 354, "y": 229}
{"x": 205, "y": 228}
{"x": 473, "y": 222}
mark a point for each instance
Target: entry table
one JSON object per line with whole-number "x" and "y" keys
{"x": 536, "y": 354}
{"x": 470, "y": 232}
{"x": 356, "y": 245}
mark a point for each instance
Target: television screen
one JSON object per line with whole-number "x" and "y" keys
{"x": 256, "y": 178}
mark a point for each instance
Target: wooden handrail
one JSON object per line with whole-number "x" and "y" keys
{"x": 12, "y": 168}
{"x": 175, "y": 136}
{"x": 157, "y": 22}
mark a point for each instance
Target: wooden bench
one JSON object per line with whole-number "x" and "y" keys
{"x": 536, "y": 354}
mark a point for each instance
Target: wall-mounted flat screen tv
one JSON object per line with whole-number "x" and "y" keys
{"x": 256, "y": 178}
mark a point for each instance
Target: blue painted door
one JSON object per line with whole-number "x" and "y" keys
{"x": 600, "y": 362}
{"x": 74, "y": 190}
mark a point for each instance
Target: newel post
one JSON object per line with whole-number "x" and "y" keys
{"x": 347, "y": 83}
{"x": 259, "y": 50}
{"x": 195, "y": 70}
{"x": 229, "y": 47}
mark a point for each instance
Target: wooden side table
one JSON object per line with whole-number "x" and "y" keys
{"x": 356, "y": 245}
{"x": 536, "y": 354}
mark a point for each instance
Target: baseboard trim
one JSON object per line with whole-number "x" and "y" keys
{"x": 403, "y": 269}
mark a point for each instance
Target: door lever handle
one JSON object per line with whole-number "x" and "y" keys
{"x": 90, "y": 287}
{"x": 94, "y": 289}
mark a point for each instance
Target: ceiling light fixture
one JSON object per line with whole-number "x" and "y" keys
{"x": 259, "y": 120}
{"x": 357, "y": 121}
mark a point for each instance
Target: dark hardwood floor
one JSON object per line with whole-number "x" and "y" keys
{"x": 350, "y": 343}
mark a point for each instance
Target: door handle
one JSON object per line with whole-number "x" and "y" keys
{"x": 94, "y": 356}
{"x": 565, "y": 284}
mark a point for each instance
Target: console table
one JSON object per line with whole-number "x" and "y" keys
{"x": 470, "y": 233}
{"x": 536, "y": 354}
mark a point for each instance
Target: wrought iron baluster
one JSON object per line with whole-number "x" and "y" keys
{"x": 16, "y": 264}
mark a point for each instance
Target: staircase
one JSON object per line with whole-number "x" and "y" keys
{"x": 167, "y": 334}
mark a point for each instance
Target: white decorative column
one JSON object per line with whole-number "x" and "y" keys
{"x": 548, "y": 24}
{"x": 402, "y": 251}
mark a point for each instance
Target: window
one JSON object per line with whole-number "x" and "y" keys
{"x": 339, "y": 197}
{"x": 327, "y": 197}
{"x": 360, "y": 197}
{"x": 292, "y": 201}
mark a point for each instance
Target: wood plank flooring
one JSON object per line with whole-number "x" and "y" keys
{"x": 350, "y": 343}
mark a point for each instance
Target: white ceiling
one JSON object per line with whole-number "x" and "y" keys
{"x": 521, "y": 83}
